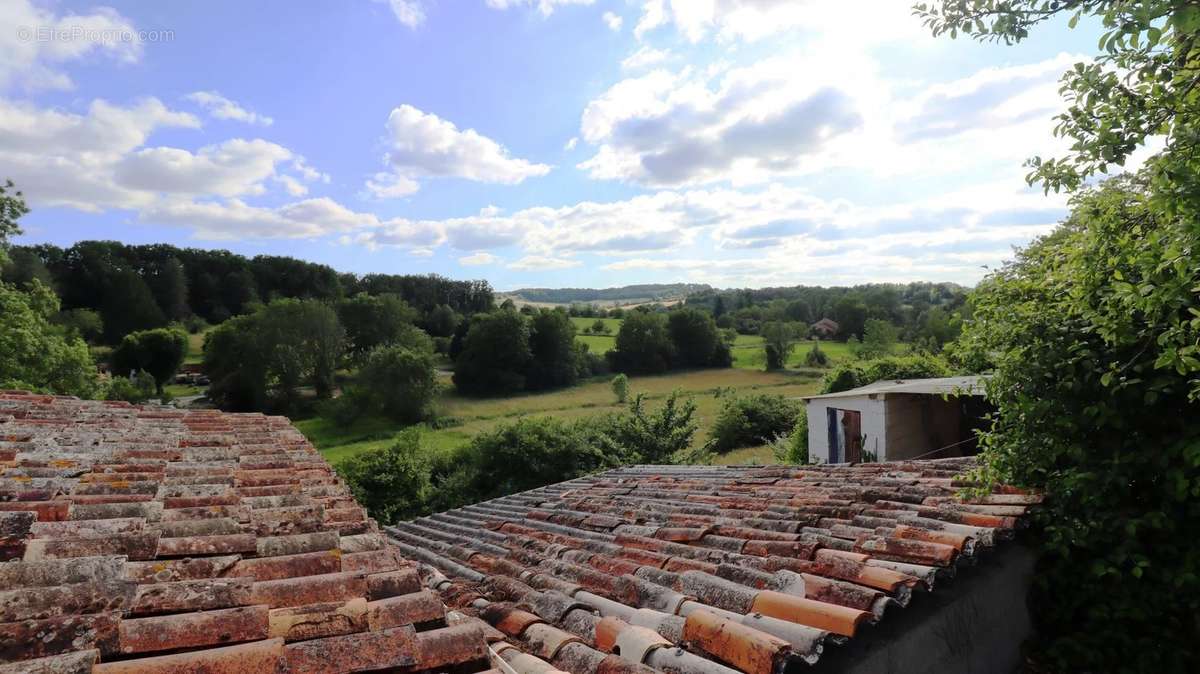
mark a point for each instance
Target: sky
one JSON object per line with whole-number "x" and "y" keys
{"x": 548, "y": 143}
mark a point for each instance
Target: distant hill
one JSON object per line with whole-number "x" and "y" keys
{"x": 635, "y": 294}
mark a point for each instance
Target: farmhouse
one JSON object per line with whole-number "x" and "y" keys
{"x": 892, "y": 420}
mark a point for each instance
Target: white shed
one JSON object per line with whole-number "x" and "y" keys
{"x": 896, "y": 419}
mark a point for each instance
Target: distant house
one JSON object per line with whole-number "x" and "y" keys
{"x": 825, "y": 328}
{"x": 896, "y": 420}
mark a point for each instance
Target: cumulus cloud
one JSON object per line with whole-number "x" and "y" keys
{"x": 222, "y": 108}
{"x": 546, "y": 7}
{"x": 645, "y": 56}
{"x": 667, "y": 128}
{"x": 408, "y": 12}
{"x": 613, "y": 21}
{"x": 36, "y": 42}
{"x": 751, "y": 20}
{"x": 232, "y": 168}
{"x": 541, "y": 263}
{"x": 478, "y": 260}
{"x": 421, "y": 144}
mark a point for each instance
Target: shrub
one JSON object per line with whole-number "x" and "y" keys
{"x": 860, "y": 373}
{"x": 137, "y": 391}
{"x": 393, "y": 482}
{"x": 752, "y": 420}
{"x": 620, "y": 388}
{"x": 589, "y": 364}
{"x": 793, "y": 447}
{"x": 639, "y": 436}
{"x": 779, "y": 339}
{"x": 816, "y": 357}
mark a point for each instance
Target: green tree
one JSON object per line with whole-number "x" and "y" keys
{"x": 1142, "y": 84}
{"x": 857, "y": 373}
{"x": 168, "y": 284}
{"x": 442, "y": 320}
{"x": 815, "y": 356}
{"x": 12, "y": 208}
{"x": 84, "y": 323}
{"x": 642, "y": 345}
{"x": 260, "y": 360}
{"x": 159, "y": 352}
{"x": 495, "y": 355}
{"x": 779, "y": 338}
{"x": 400, "y": 382}
{"x": 850, "y": 313}
{"x": 641, "y": 436}
{"x": 1092, "y": 331}
{"x": 373, "y": 320}
{"x": 36, "y": 354}
{"x": 392, "y": 482}
{"x": 879, "y": 338}
{"x": 554, "y": 359}
{"x": 127, "y": 305}
{"x": 695, "y": 339}
{"x": 24, "y": 266}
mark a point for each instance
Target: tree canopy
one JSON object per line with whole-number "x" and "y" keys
{"x": 36, "y": 354}
{"x": 159, "y": 352}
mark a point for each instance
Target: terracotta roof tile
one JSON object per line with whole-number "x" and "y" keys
{"x": 703, "y": 570}
{"x": 150, "y": 539}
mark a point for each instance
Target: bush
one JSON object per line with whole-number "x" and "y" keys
{"x": 620, "y": 388}
{"x": 589, "y": 364}
{"x": 137, "y": 391}
{"x": 860, "y": 373}
{"x": 752, "y": 420}
{"x": 793, "y": 447}
{"x": 393, "y": 482}
{"x": 194, "y": 324}
{"x": 816, "y": 357}
{"x": 638, "y": 436}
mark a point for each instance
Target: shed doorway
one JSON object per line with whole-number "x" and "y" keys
{"x": 845, "y": 435}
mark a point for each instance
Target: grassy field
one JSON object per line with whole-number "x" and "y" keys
{"x": 195, "y": 353}
{"x": 591, "y": 398}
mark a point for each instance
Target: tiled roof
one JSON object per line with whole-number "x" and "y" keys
{"x": 150, "y": 539}
{"x": 706, "y": 570}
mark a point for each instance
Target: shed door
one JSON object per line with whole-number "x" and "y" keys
{"x": 852, "y": 432}
{"x": 834, "y": 428}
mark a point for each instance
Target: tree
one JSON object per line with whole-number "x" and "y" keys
{"x": 12, "y": 208}
{"x": 83, "y": 323}
{"x": 372, "y": 321}
{"x": 554, "y": 359}
{"x": 695, "y": 340}
{"x": 862, "y": 372}
{"x": 495, "y": 355}
{"x": 168, "y": 284}
{"x": 442, "y": 320}
{"x": 24, "y": 266}
{"x": 1143, "y": 84}
{"x": 815, "y": 356}
{"x": 850, "y": 312}
{"x": 779, "y": 339}
{"x": 599, "y": 327}
{"x": 159, "y": 352}
{"x": 391, "y": 482}
{"x": 1091, "y": 331}
{"x": 640, "y": 436}
{"x": 399, "y": 381}
{"x": 642, "y": 345}
{"x": 37, "y": 354}
{"x": 258, "y": 361}
{"x": 879, "y": 338}
{"x": 128, "y": 305}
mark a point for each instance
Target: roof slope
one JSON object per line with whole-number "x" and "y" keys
{"x": 149, "y": 539}
{"x": 704, "y": 569}
{"x": 953, "y": 386}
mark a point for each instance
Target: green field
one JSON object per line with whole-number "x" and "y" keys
{"x": 195, "y": 354}
{"x": 591, "y": 398}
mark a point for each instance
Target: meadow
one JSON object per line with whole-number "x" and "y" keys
{"x": 476, "y": 415}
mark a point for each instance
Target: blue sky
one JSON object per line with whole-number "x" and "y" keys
{"x": 537, "y": 142}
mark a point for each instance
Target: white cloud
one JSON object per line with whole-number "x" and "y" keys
{"x": 570, "y": 144}
{"x": 35, "y": 42}
{"x": 613, "y": 21}
{"x": 645, "y": 56}
{"x": 234, "y": 219}
{"x": 546, "y": 7}
{"x": 751, "y": 20}
{"x": 408, "y": 12}
{"x": 222, "y": 108}
{"x": 233, "y": 168}
{"x": 422, "y": 144}
{"x": 478, "y": 260}
{"x": 540, "y": 263}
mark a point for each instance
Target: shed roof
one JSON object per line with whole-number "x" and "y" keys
{"x": 702, "y": 569}
{"x": 953, "y": 386}
{"x": 151, "y": 539}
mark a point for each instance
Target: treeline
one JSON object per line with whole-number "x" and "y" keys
{"x": 644, "y": 292}
{"x": 918, "y": 310}
{"x": 129, "y": 288}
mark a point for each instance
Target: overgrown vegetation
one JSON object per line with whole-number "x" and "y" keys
{"x": 1092, "y": 333}
{"x": 855, "y": 373}
{"x": 753, "y": 420}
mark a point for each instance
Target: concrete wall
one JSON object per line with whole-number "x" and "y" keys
{"x": 874, "y": 424}
{"x": 921, "y": 423}
{"x": 973, "y": 624}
